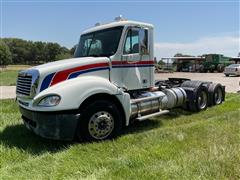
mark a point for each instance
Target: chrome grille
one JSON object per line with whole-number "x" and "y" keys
{"x": 24, "y": 83}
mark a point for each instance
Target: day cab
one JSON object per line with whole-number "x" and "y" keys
{"x": 108, "y": 84}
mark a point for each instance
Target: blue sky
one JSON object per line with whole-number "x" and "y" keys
{"x": 192, "y": 27}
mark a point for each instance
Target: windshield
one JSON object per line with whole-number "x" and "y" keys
{"x": 99, "y": 43}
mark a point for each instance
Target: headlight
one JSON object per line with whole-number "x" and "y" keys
{"x": 50, "y": 101}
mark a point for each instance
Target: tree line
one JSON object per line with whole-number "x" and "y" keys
{"x": 19, "y": 51}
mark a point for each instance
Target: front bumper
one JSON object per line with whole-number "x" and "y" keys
{"x": 51, "y": 125}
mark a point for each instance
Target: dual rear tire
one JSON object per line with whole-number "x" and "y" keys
{"x": 201, "y": 95}
{"x": 216, "y": 94}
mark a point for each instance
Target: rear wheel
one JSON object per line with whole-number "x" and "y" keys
{"x": 226, "y": 75}
{"x": 100, "y": 120}
{"x": 220, "y": 68}
{"x": 211, "y": 69}
{"x": 216, "y": 94}
{"x": 197, "y": 95}
{"x": 202, "y": 100}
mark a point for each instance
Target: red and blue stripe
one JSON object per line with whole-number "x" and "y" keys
{"x": 63, "y": 75}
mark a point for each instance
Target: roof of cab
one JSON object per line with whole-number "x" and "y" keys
{"x": 115, "y": 24}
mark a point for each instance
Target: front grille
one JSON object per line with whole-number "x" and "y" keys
{"x": 24, "y": 83}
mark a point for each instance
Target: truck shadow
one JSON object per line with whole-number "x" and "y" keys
{"x": 18, "y": 136}
{"x": 140, "y": 126}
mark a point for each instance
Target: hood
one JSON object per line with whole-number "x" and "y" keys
{"x": 58, "y": 71}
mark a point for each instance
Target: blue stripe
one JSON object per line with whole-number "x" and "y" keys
{"x": 75, "y": 74}
{"x": 46, "y": 82}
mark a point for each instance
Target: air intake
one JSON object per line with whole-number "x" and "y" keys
{"x": 24, "y": 83}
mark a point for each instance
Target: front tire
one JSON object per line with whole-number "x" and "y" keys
{"x": 100, "y": 120}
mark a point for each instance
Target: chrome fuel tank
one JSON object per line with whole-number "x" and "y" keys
{"x": 151, "y": 102}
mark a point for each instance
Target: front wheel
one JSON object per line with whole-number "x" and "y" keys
{"x": 100, "y": 120}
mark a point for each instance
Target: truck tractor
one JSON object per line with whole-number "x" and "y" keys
{"x": 106, "y": 86}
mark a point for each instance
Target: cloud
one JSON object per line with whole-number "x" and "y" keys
{"x": 226, "y": 45}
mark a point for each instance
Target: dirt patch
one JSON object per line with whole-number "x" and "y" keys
{"x": 7, "y": 92}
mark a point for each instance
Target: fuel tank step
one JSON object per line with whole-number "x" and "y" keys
{"x": 142, "y": 118}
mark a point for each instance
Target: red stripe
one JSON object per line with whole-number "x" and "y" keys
{"x": 63, "y": 75}
{"x": 129, "y": 63}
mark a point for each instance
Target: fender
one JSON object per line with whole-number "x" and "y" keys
{"x": 74, "y": 91}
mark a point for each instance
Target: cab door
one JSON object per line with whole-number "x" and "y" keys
{"x": 136, "y": 64}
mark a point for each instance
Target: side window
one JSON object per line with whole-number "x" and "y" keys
{"x": 132, "y": 42}
{"x": 128, "y": 46}
{"x": 143, "y": 36}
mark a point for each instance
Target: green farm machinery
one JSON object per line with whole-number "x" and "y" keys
{"x": 214, "y": 62}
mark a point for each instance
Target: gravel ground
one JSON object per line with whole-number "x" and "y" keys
{"x": 231, "y": 83}
{"x": 7, "y": 92}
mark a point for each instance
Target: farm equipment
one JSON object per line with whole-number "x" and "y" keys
{"x": 214, "y": 62}
{"x": 106, "y": 86}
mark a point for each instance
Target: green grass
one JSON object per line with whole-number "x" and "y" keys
{"x": 180, "y": 145}
{"x": 9, "y": 74}
{"x": 8, "y": 77}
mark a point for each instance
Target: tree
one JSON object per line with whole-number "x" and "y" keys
{"x": 40, "y": 52}
{"x": 161, "y": 62}
{"x": 5, "y": 54}
{"x": 72, "y": 50}
{"x": 63, "y": 56}
{"x": 29, "y": 52}
{"x": 20, "y": 50}
{"x": 182, "y": 55}
{"x": 52, "y": 50}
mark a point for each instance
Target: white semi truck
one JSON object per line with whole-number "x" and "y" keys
{"x": 107, "y": 85}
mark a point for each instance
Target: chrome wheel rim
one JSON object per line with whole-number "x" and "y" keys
{"x": 218, "y": 96}
{"x": 101, "y": 125}
{"x": 202, "y": 100}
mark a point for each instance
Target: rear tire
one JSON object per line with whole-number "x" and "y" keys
{"x": 100, "y": 120}
{"x": 216, "y": 94}
{"x": 220, "y": 68}
{"x": 201, "y": 100}
{"x": 197, "y": 95}
{"x": 226, "y": 75}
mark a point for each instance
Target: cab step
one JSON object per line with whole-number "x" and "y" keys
{"x": 142, "y": 118}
